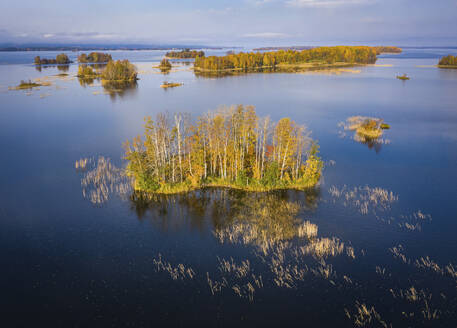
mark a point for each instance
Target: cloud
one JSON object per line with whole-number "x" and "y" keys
{"x": 265, "y": 35}
{"x": 325, "y": 3}
{"x": 78, "y": 36}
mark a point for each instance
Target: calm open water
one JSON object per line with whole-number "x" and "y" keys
{"x": 68, "y": 262}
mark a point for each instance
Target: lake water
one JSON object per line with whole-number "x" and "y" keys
{"x": 387, "y": 209}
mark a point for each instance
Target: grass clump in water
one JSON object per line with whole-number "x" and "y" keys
{"x": 26, "y": 85}
{"x": 86, "y": 72}
{"x": 366, "y": 128}
{"x": 170, "y": 85}
{"x": 403, "y": 77}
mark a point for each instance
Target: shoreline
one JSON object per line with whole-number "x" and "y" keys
{"x": 184, "y": 188}
{"x": 280, "y": 68}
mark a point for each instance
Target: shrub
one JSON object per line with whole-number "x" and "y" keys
{"x": 120, "y": 70}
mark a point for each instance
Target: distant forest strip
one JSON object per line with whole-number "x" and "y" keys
{"x": 95, "y": 57}
{"x": 388, "y": 50}
{"x": 185, "y": 53}
{"x": 60, "y": 59}
{"x": 448, "y": 61}
{"x": 379, "y": 49}
{"x": 317, "y": 56}
{"x": 231, "y": 147}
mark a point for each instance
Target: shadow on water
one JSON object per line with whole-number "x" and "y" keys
{"x": 218, "y": 207}
{"x": 86, "y": 81}
{"x": 120, "y": 89}
{"x": 61, "y": 68}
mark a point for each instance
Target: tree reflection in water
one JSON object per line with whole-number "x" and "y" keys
{"x": 119, "y": 89}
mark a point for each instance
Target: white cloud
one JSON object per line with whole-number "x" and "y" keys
{"x": 325, "y": 3}
{"x": 48, "y": 35}
{"x": 266, "y": 35}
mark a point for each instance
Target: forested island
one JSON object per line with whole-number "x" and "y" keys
{"x": 448, "y": 62}
{"x": 379, "y": 49}
{"x": 388, "y": 50}
{"x": 86, "y": 72}
{"x": 231, "y": 147}
{"x": 95, "y": 57}
{"x": 60, "y": 59}
{"x": 165, "y": 64}
{"x": 185, "y": 53}
{"x": 310, "y": 58}
{"x": 115, "y": 71}
{"x": 119, "y": 71}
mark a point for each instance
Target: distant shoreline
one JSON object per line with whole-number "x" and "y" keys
{"x": 87, "y": 48}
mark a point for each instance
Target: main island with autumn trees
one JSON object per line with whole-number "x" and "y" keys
{"x": 289, "y": 60}
{"x": 231, "y": 147}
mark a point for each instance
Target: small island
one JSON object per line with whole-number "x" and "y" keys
{"x": 322, "y": 57}
{"x": 388, "y": 50}
{"x": 185, "y": 54}
{"x": 165, "y": 64}
{"x": 366, "y": 128}
{"x": 95, "y": 57}
{"x": 59, "y": 60}
{"x": 166, "y": 85}
{"x": 448, "y": 62}
{"x": 232, "y": 148}
{"x": 119, "y": 71}
{"x": 403, "y": 77}
{"x": 86, "y": 72}
{"x": 25, "y": 85}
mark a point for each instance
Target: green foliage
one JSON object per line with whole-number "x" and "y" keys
{"x": 95, "y": 57}
{"x": 256, "y": 60}
{"x": 120, "y": 70}
{"x": 242, "y": 178}
{"x": 448, "y": 61}
{"x": 185, "y": 53}
{"x": 146, "y": 182}
{"x": 272, "y": 175}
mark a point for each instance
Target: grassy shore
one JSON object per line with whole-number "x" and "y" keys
{"x": 25, "y": 85}
{"x": 447, "y": 66}
{"x": 166, "y": 85}
{"x": 252, "y": 186}
{"x": 316, "y": 65}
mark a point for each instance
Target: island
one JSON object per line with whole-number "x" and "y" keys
{"x": 231, "y": 148}
{"x": 366, "y": 128}
{"x": 322, "y": 57}
{"x": 165, "y": 64}
{"x": 86, "y": 72}
{"x": 448, "y": 62}
{"x": 185, "y": 54}
{"x": 119, "y": 71}
{"x": 60, "y": 59}
{"x": 388, "y": 50}
{"x": 167, "y": 85}
{"x": 403, "y": 77}
{"x": 95, "y": 57}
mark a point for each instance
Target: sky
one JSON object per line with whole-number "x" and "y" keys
{"x": 230, "y": 22}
